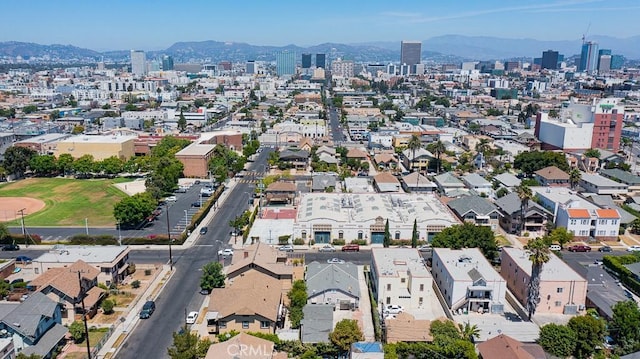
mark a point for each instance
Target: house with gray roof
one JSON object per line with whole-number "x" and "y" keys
{"x": 335, "y": 284}
{"x": 507, "y": 180}
{"x": 478, "y": 184}
{"x": 34, "y": 324}
{"x": 535, "y": 218}
{"x": 597, "y": 184}
{"x": 477, "y": 210}
{"x": 321, "y": 181}
{"x": 317, "y": 323}
{"x": 448, "y": 182}
{"x": 618, "y": 175}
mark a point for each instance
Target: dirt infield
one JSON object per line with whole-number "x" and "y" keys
{"x": 10, "y": 207}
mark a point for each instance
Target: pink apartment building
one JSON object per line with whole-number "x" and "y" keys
{"x": 562, "y": 290}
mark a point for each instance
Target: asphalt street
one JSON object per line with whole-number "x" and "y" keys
{"x": 358, "y": 258}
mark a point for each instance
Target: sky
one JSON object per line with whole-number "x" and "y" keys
{"x": 157, "y": 24}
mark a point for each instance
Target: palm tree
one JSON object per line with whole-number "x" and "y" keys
{"x": 413, "y": 145}
{"x": 483, "y": 147}
{"x": 438, "y": 149}
{"x": 574, "y": 177}
{"x": 525, "y": 194}
{"x": 538, "y": 255}
{"x": 469, "y": 332}
{"x": 626, "y": 143}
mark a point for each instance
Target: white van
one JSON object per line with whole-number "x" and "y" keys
{"x": 555, "y": 247}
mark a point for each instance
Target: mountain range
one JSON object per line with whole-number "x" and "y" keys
{"x": 446, "y": 48}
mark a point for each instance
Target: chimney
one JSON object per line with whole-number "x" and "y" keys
{"x": 246, "y": 254}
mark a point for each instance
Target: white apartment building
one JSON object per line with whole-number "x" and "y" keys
{"x": 342, "y": 68}
{"x": 400, "y": 277}
{"x": 467, "y": 280}
{"x": 601, "y": 224}
{"x": 138, "y": 63}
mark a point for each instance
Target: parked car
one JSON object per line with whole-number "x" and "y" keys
{"x": 425, "y": 248}
{"x": 286, "y": 248}
{"x": 147, "y": 309}
{"x": 10, "y": 247}
{"x": 633, "y": 249}
{"x": 227, "y": 252}
{"x": 195, "y": 204}
{"x": 327, "y": 248}
{"x": 235, "y": 233}
{"x": 582, "y": 248}
{"x": 171, "y": 199}
{"x": 605, "y": 249}
{"x": 555, "y": 247}
{"x": 23, "y": 259}
{"x": 203, "y": 230}
{"x": 191, "y": 317}
{"x": 351, "y": 248}
{"x": 335, "y": 261}
{"x": 393, "y": 309}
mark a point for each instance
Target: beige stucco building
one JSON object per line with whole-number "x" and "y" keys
{"x": 100, "y": 147}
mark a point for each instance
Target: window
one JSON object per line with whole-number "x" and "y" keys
{"x": 602, "y": 221}
{"x": 421, "y": 288}
{"x": 584, "y": 221}
{"x": 613, "y": 233}
{"x": 341, "y": 235}
{"x": 388, "y": 301}
{"x": 559, "y": 290}
{"x": 403, "y": 280}
{"x": 602, "y": 233}
{"x": 245, "y": 325}
{"x": 420, "y": 300}
{"x": 304, "y": 234}
{"x": 558, "y": 303}
{"x": 397, "y": 235}
{"x": 359, "y": 234}
{"x": 614, "y": 221}
{"x": 222, "y": 325}
{"x": 264, "y": 324}
{"x": 573, "y": 222}
{"x": 388, "y": 286}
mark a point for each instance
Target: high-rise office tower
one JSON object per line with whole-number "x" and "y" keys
{"x": 604, "y": 63}
{"x": 167, "y": 63}
{"x": 616, "y": 62}
{"x": 321, "y": 60}
{"x": 602, "y": 52}
{"x": 549, "y": 60}
{"x": 410, "y": 53}
{"x": 306, "y": 61}
{"x": 589, "y": 57}
{"x": 250, "y": 67}
{"x": 138, "y": 63}
{"x": 286, "y": 63}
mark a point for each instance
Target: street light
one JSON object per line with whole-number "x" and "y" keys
{"x": 84, "y": 313}
{"x": 119, "y": 235}
{"x": 24, "y": 231}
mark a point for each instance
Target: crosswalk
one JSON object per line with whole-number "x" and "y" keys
{"x": 250, "y": 177}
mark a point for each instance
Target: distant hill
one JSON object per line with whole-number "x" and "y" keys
{"x": 447, "y": 48}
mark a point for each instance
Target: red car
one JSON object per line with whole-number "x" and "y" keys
{"x": 579, "y": 248}
{"x": 351, "y": 248}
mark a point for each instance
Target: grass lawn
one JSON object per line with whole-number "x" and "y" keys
{"x": 69, "y": 201}
{"x": 94, "y": 337}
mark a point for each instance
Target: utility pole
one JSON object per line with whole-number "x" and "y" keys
{"x": 84, "y": 314}
{"x": 119, "y": 234}
{"x": 169, "y": 235}
{"x": 24, "y": 231}
{"x": 86, "y": 225}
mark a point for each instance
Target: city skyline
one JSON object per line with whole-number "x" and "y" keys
{"x": 137, "y": 25}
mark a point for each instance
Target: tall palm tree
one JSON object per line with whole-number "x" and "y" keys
{"x": 439, "y": 148}
{"x": 413, "y": 144}
{"x": 525, "y": 194}
{"x": 469, "y": 332}
{"x": 538, "y": 255}
{"x": 574, "y": 177}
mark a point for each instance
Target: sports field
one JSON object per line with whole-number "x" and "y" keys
{"x": 67, "y": 201}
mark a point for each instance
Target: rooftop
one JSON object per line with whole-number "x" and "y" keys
{"x": 196, "y": 149}
{"x": 600, "y": 181}
{"x": 71, "y": 254}
{"x": 554, "y": 270}
{"x": 97, "y": 139}
{"x": 552, "y": 173}
{"x": 461, "y": 262}
{"x": 390, "y": 261}
{"x": 620, "y": 175}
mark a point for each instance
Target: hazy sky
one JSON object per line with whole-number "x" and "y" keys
{"x": 156, "y": 24}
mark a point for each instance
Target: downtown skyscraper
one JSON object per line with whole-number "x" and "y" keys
{"x": 589, "y": 57}
{"x": 410, "y": 54}
{"x": 285, "y": 63}
{"x": 138, "y": 63}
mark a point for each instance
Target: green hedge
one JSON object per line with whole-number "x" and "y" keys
{"x": 19, "y": 239}
{"x": 617, "y": 265}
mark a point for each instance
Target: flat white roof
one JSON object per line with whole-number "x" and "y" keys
{"x": 460, "y": 261}
{"x": 196, "y": 149}
{"x": 600, "y": 181}
{"x": 89, "y": 254}
{"x": 390, "y": 261}
{"x": 562, "y": 195}
{"x": 46, "y": 138}
{"x": 554, "y": 270}
{"x": 98, "y": 139}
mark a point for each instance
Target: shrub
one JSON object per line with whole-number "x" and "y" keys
{"x": 338, "y": 242}
{"x": 135, "y": 284}
{"x": 132, "y": 268}
{"x": 525, "y": 234}
{"x": 361, "y": 242}
{"x": 76, "y": 329}
{"x": 107, "y": 306}
{"x": 147, "y": 272}
{"x": 298, "y": 241}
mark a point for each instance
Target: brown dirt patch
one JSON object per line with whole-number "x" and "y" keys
{"x": 10, "y": 207}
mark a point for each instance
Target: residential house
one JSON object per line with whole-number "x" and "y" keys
{"x": 322, "y": 181}
{"x": 503, "y": 346}
{"x": 305, "y": 144}
{"x": 357, "y": 154}
{"x": 35, "y": 325}
{"x": 336, "y": 284}
{"x": 562, "y": 290}
{"x": 415, "y": 182}
{"x": 69, "y": 286}
{"x": 326, "y": 150}
{"x": 265, "y": 259}
{"x": 281, "y": 192}
{"x": 552, "y": 176}
{"x": 631, "y": 180}
{"x": 597, "y": 184}
{"x": 418, "y": 161}
{"x": 244, "y": 346}
{"x": 602, "y": 224}
{"x": 478, "y": 184}
{"x": 399, "y": 276}
{"x": 507, "y": 180}
{"x": 317, "y": 323}
{"x": 386, "y": 182}
{"x": 257, "y": 305}
{"x": 328, "y": 159}
{"x": 477, "y": 210}
{"x": 385, "y": 161}
{"x": 467, "y": 281}
{"x": 535, "y": 218}
{"x": 448, "y": 182}
{"x": 405, "y": 328}
{"x": 295, "y": 159}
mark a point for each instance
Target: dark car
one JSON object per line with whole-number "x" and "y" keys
{"x": 10, "y": 247}
{"x": 351, "y": 248}
{"x": 605, "y": 249}
{"x": 579, "y": 248}
{"x": 204, "y": 230}
{"x": 147, "y": 309}
{"x": 23, "y": 259}
{"x": 195, "y": 204}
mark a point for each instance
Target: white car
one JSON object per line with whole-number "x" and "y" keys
{"x": 227, "y": 252}
{"x": 393, "y": 309}
{"x": 555, "y": 247}
{"x": 335, "y": 261}
{"x": 425, "y": 248}
{"x": 286, "y": 248}
{"x": 171, "y": 199}
{"x": 633, "y": 249}
{"x": 327, "y": 248}
{"x": 191, "y": 318}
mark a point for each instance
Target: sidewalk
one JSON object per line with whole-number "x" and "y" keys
{"x": 123, "y": 328}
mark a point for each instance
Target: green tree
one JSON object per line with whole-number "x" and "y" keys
{"x": 29, "y": 109}
{"x": 469, "y": 332}
{"x": 414, "y": 234}
{"x": 525, "y": 194}
{"x": 78, "y": 129}
{"x": 107, "y": 306}
{"x": 559, "y": 340}
{"x": 16, "y": 160}
{"x": 592, "y": 152}
{"x": 625, "y": 325}
{"x": 438, "y": 149}
{"x": 43, "y": 165}
{"x": 346, "y": 333}
{"x": 539, "y": 255}
{"x": 131, "y": 211}
{"x": 386, "y": 241}
{"x": 212, "y": 276}
{"x": 25, "y": 356}
{"x": 501, "y": 192}
{"x": 529, "y": 162}
{"x": 561, "y": 236}
{"x": 635, "y": 226}
{"x": 468, "y": 235}
{"x": 574, "y": 177}
{"x": 297, "y": 300}
{"x": 84, "y": 165}
{"x": 448, "y": 342}
{"x": 76, "y": 329}
{"x": 553, "y": 113}
{"x": 589, "y": 334}
{"x": 65, "y": 163}
{"x": 414, "y": 144}
{"x": 182, "y": 122}
{"x": 188, "y": 345}
{"x": 4, "y": 231}
{"x": 111, "y": 165}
